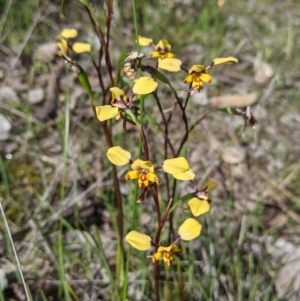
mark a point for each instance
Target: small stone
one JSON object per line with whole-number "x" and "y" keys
{"x": 35, "y": 95}
{"x": 8, "y": 95}
{"x": 5, "y": 127}
{"x": 263, "y": 71}
{"x": 3, "y": 280}
{"x": 46, "y": 52}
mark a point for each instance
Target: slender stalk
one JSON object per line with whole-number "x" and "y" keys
{"x": 182, "y": 108}
{"x": 100, "y": 80}
{"x": 153, "y": 190}
{"x": 103, "y": 43}
{"x": 66, "y": 140}
{"x": 166, "y": 129}
{"x": 15, "y": 253}
{"x": 171, "y": 228}
{"x": 108, "y": 20}
{"x": 143, "y": 141}
{"x": 187, "y": 100}
{"x": 156, "y": 271}
{"x": 106, "y": 126}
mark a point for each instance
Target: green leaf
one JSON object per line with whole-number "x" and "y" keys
{"x": 126, "y": 80}
{"x": 84, "y": 2}
{"x": 161, "y": 77}
{"x": 132, "y": 116}
{"x": 150, "y": 119}
{"x": 119, "y": 70}
{"x": 186, "y": 197}
{"x": 230, "y": 111}
{"x": 62, "y": 9}
{"x": 156, "y": 74}
{"x": 85, "y": 82}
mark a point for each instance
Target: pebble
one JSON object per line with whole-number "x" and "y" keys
{"x": 5, "y": 127}
{"x": 8, "y": 95}
{"x": 3, "y": 280}
{"x": 35, "y": 95}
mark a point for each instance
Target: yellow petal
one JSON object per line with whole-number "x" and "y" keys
{"x": 132, "y": 174}
{"x": 69, "y": 33}
{"x": 190, "y": 229}
{"x": 106, "y": 112}
{"x": 152, "y": 177}
{"x": 62, "y": 46}
{"x": 140, "y": 164}
{"x": 79, "y": 47}
{"x": 197, "y": 85}
{"x": 172, "y": 65}
{"x": 170, "y": 55}
{"x": 144, "y": 41}
{"x": 144, "y": 85}
{"x": 184, "y": 176}
{"x": 172, "y": 248}
{"x": 118, "y": 156}
{"x": 116, "y": 92}
{"x": 211, "y": 185}
{"x": 138, "y": 240}
{"x": 157, "y": 256}
{"x": 197, "y": 68}
{"x": 154, "y": 54}
{"x": 176, "y": 165}
{"x": 162, "y": 45}
{"x": 205, "y": 77}
{"x": 225, "y": 60}
{"x": 198, "y": 207}
{"x": 189, "y": 78}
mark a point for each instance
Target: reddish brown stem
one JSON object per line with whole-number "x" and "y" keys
{"x": 166, "y": 133}
{"x": 156, "y": 280}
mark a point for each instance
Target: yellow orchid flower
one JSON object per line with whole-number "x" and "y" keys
{"x": 162, "y": 50}
{"x": 63, "y": 47}
{"x": 201, "y": 203}
{"x": 130, "y": 64}
{"x": 198, "y": 75}
{"x": 165, "y": 253}
{"x": 119, "y": 103}
{"x": 179, "y": 168}
{"x": 144, "y": 171}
